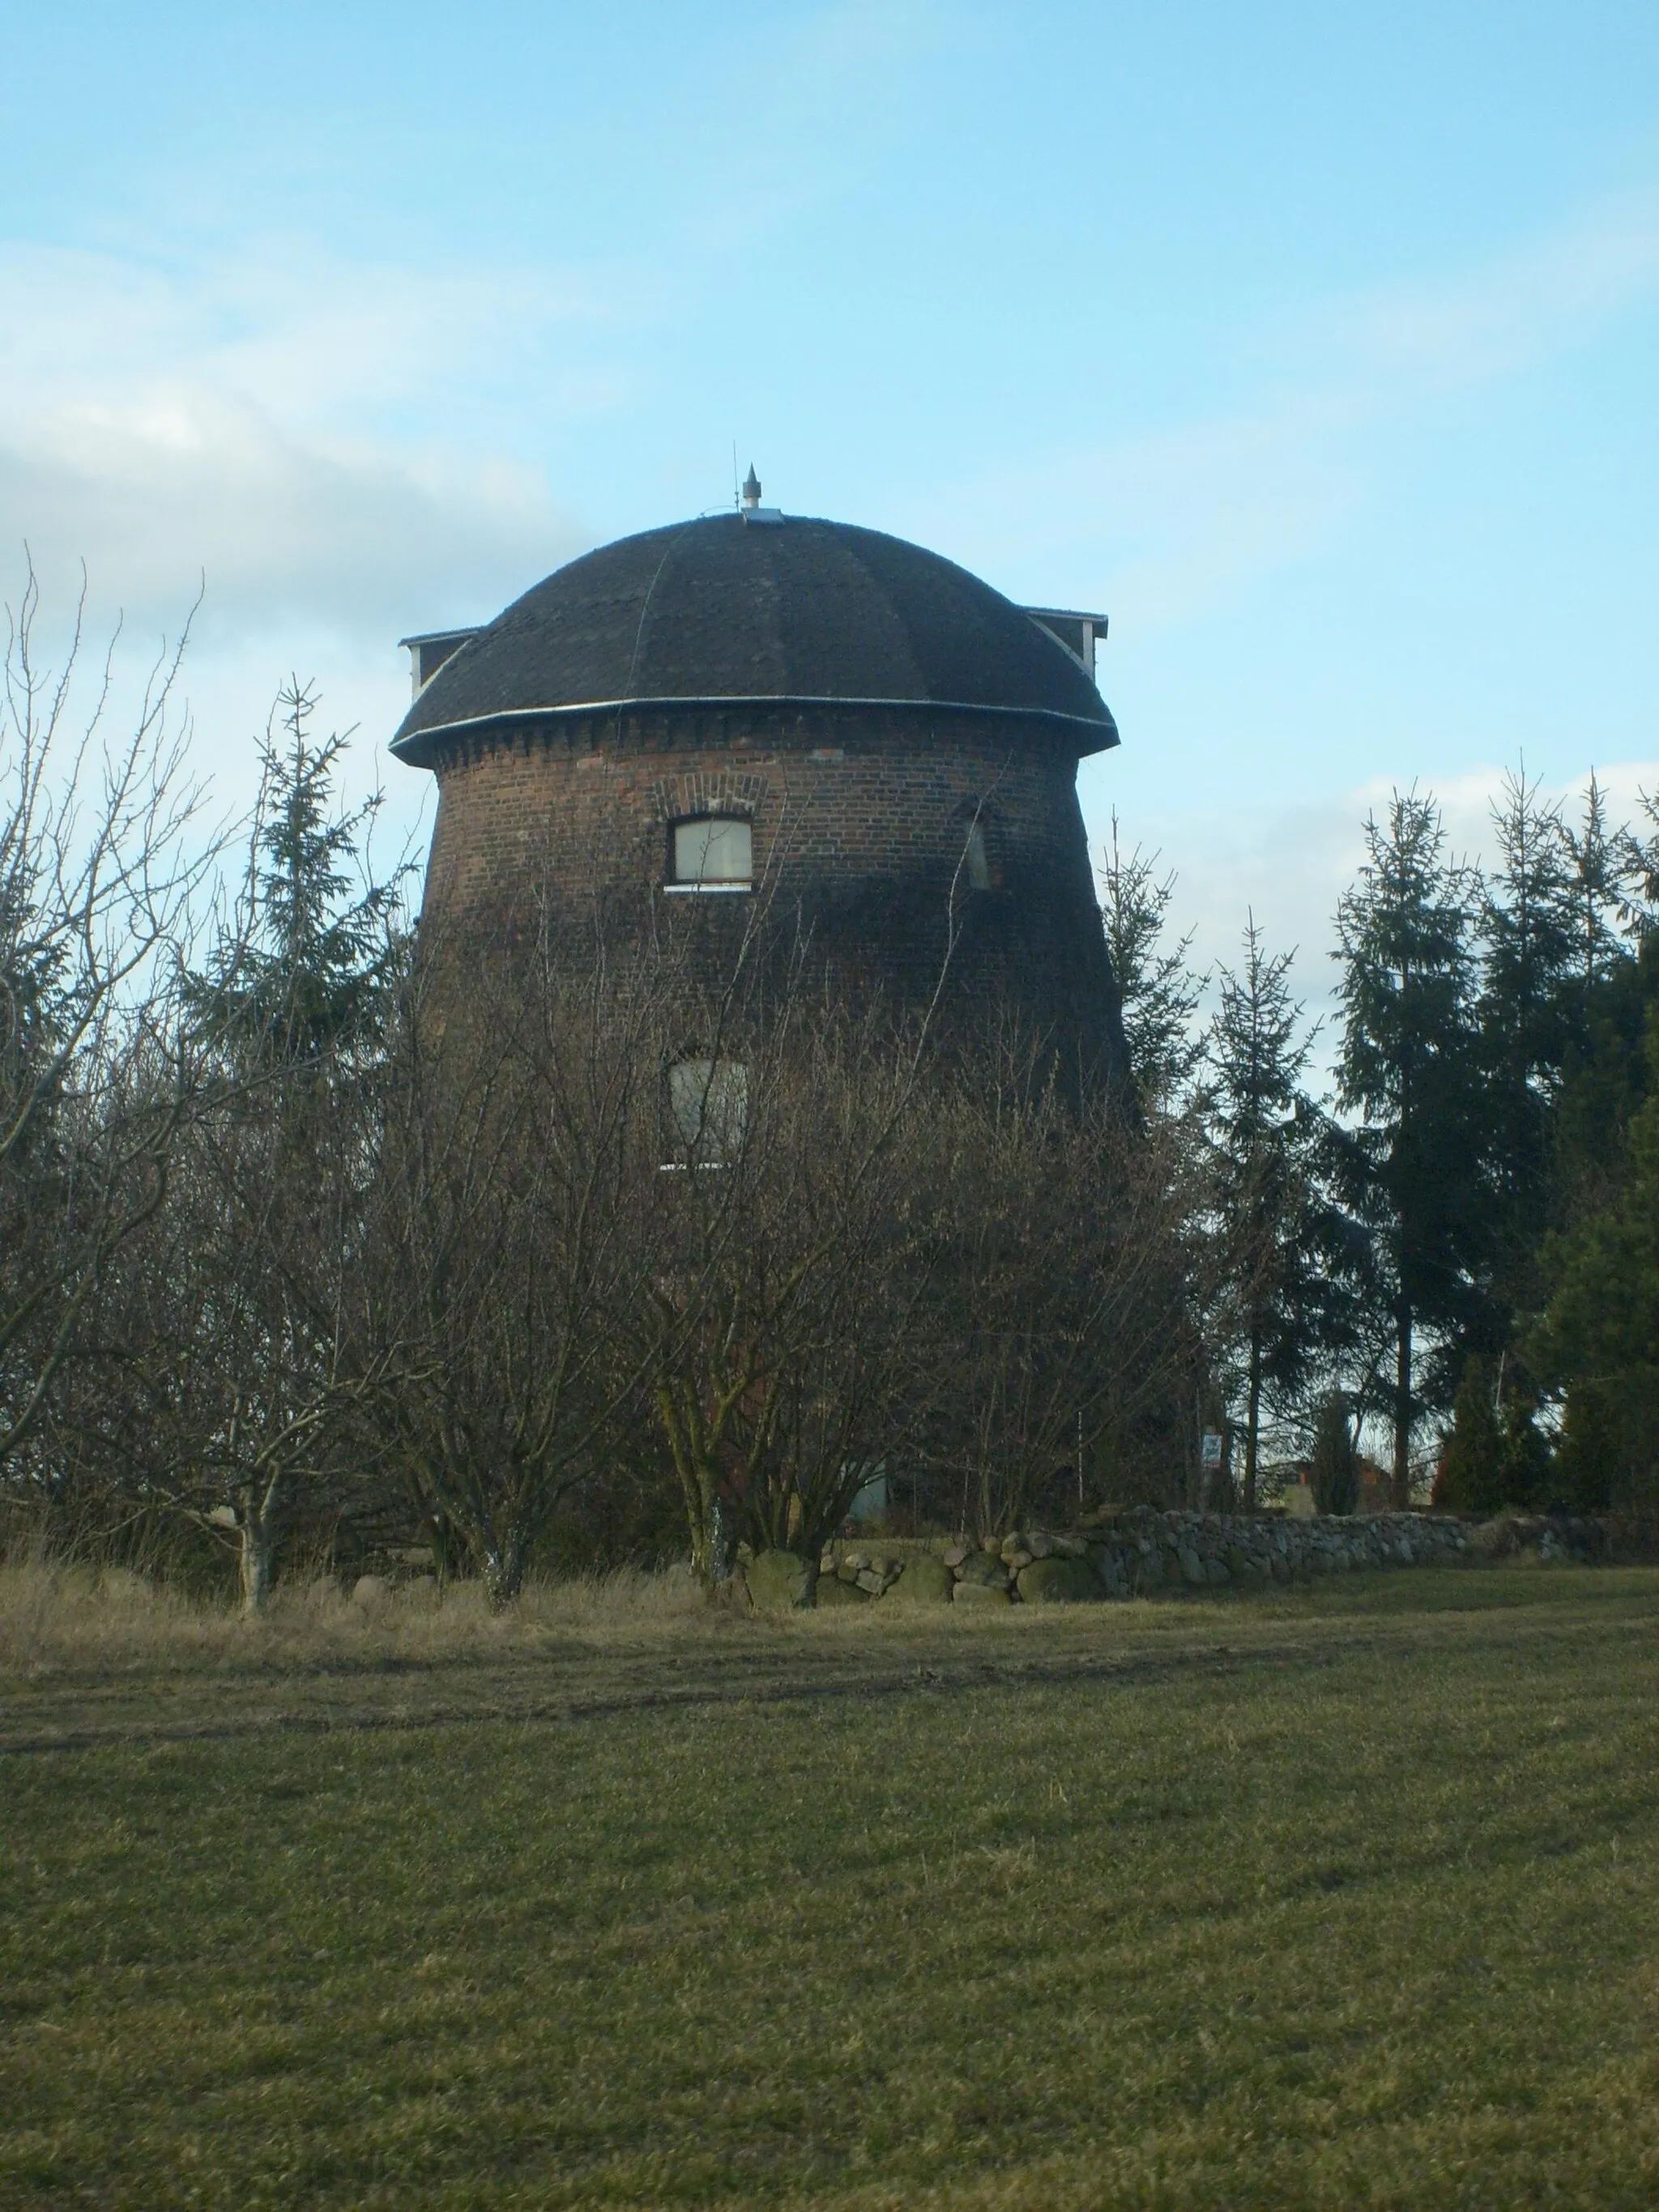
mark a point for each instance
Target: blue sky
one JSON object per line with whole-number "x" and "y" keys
{"x": 1319, "y": 347}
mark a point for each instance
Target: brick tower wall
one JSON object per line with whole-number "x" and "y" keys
{"x": 860, "y": 818}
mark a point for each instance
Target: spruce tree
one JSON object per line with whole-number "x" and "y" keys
{"x": 1529, "y": 1016}
{"x": 1158, "y": 991}
{"x": 1263, "y": 1133}
{"x": 1333, "y": 1461}
{"x": 1528, "y": 1462}
{"x": 1598, "y": 1337}
{"x": 1472, "y": 1464}
{"x": 294, "y": 1007}
{"x": 1590, "y": 1449}
{"x": 1409, "y": 1070}
{"x": 305, "y": 963}
{"x": 1598, "y": 888}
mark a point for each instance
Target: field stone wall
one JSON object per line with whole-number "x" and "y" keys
{"x": 1134, "y": 1554}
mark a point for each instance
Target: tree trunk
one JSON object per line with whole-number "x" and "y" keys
{"x": 504, "y": 1563}
{"x": 711, "y": 1534}
{"x": 699, "y": 1479}
{"x": 1254, "y": 1419}
{"x": 1198, "y": 1479}
{"x": 1402, "y": 1411}
{"x": 710, "y": 1530}
{"x": 254, "y": 1562}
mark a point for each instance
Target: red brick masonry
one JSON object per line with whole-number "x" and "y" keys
{"x": 860, "y": 815}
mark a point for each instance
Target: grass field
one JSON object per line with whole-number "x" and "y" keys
{"x": 1345, "y": 1897}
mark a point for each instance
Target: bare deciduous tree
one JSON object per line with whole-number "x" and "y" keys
{"x": 1062, "y": 1337}
{"x": 222, "y": 1385}
{"x": 784, "y": 1327}
{"x": 97, "y": 878}
{"x": 513, "y": 1219}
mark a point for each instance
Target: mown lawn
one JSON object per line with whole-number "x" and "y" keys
{"x": 1361, "y": 1909}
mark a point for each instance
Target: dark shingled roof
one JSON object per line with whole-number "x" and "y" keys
{"x": 725, "y": 608}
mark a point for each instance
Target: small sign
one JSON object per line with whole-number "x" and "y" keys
{"x": 1212, "y": 1448}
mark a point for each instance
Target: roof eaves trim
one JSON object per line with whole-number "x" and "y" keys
{"x": 420, "y": 742}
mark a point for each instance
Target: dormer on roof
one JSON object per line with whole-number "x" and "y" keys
{"x": 428, "y": 652}
{"x": 1079, "y": 633}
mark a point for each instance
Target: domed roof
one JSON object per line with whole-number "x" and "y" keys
{"x": 731, "y": 608}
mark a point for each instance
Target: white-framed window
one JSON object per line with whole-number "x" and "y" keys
{"x": 714, "y": 853}
{"x": 708, "y": 1111}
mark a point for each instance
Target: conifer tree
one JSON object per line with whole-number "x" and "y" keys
{"x": 1598, "y": 889}
{"x": 1590, "y": 1445}
{"x": 1263, "y": 1133}
{"x": 1494, "y": 1455}
{"x": 293, "y": 1006}
{"x": 1472, "y": 1465}
{"x": 1530, "y": 1010}
{"x": 1598, "y": 1338}
{"x": 1409, "y": 1070}
{"x": 1158, "y": 991}
{"x": 304, "y": 964}
{"x": 1333, "y": 1466}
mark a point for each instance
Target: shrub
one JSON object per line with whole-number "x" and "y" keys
{"x": 1334, "y": 1462}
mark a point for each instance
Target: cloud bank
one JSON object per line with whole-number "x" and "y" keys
{"x": 168, "y": 426}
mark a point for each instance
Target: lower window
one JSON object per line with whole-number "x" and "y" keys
{"x": 708, "y": 1110}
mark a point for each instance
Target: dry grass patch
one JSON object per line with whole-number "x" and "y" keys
{"x": 57, "y": 1618}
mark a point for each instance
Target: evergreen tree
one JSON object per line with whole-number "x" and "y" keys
{"x": 1472, "y": 1465}
{"x": 1605, "y": 999}
{"x": 1333, "y": 1461}
{"x": 305, "y": 965}
{"x": 1158, "y": 991}
{"x": 1597, "y": 891}
{"x": 295, "y": 1005}
{"x": 1590, "y": 1449}
{"x": 1494, "y": 1455}
{"x": 1263, "y": 1135}
{"x": 1528, "y": 1462}
{"x": 1529, "y": 1012}
{"x": 1606, "y": 1078}
{"x": 1409, "y": 1069}
{"x": 1598, "y": 1338}
{"x": 1638, "y": 861}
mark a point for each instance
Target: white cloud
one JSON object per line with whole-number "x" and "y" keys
{"x": 168, "y": 425}
{"x": 295, "y": 329}
{"x": 223, "y": 425}
{"x": 178, "y": 484}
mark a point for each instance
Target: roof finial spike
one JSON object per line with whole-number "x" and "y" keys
{"x": 752, "y": 489}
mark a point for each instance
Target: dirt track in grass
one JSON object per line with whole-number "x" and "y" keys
{"x": 258, "y": 1681}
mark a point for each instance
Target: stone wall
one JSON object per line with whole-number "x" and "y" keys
{"x": 1136, "y": 1553}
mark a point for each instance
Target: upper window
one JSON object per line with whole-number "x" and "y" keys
{"x": 713, "y": 854}
{"x": 976, "y": 860}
